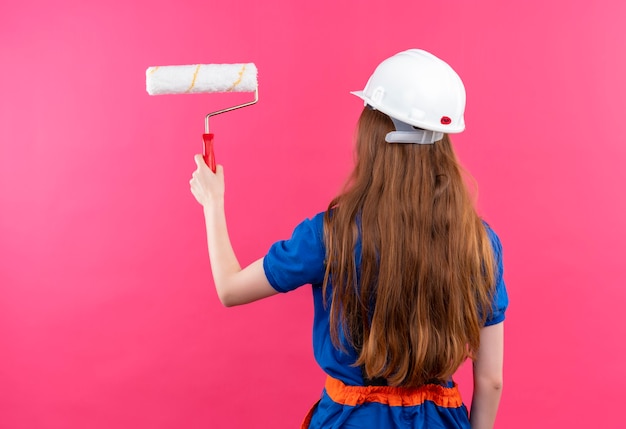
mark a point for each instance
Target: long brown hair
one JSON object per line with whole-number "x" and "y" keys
{"x": 415, "y": 307}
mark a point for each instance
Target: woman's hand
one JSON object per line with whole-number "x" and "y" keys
{"x": 206, "y": 186}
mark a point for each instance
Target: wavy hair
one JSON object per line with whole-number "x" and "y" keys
{"x": 413, "y": 308}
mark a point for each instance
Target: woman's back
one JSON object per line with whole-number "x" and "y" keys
{"x": 426, "y": 264}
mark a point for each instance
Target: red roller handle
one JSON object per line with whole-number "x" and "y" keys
{"x": 207, "y": 153}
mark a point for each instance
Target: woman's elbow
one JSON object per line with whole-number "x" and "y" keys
{"x": 227, "y": 299}
{"x": 232, "y": 297}
{"x": 226, "y": 290}
{"x": 495, "y": 382}
{"x": 226, "y": 303}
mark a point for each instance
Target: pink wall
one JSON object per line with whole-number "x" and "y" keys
{"x": 108, "y": 318}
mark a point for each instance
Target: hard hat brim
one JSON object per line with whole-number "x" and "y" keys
{"x": 370, "y": 102}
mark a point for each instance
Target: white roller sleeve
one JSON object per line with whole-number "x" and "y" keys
{"x": 191, "y": 79}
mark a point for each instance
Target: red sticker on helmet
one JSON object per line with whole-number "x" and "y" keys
{"x": 445, "y": 120}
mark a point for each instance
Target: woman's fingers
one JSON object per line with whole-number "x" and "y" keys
{"x": 206, "y": 186}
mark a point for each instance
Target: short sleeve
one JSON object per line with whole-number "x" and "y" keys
{"x": 500, "y": 300}
{"x": 292, "y": 263}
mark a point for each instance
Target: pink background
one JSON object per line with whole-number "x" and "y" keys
{"x": 108, "y": 317}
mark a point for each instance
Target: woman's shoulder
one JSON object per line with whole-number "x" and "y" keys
{"x": 314, "y": 222}
{"x": 493, "y": 236}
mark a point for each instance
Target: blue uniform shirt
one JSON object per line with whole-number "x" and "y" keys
{"x": 298, "y": 261}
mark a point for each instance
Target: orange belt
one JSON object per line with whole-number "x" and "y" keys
{"x": 447, "y": 397}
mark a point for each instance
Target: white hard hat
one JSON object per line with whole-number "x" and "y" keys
{"x": 415, "y": 87}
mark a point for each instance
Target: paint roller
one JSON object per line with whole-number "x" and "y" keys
{"x": 203, "y": 78}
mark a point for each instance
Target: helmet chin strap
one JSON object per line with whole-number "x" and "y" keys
{"x": 406, "y": 133}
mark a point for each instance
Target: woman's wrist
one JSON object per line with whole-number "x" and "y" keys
{"x": 213, "y": 208}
